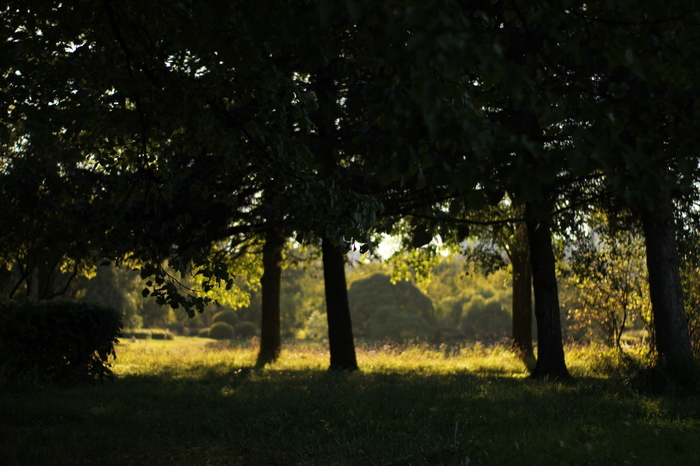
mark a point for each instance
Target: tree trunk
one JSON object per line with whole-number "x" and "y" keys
{"x": 665, "y": 289}
{"x": 519, "y": 255}
{"x": 46, "y": 280}
{"x": 550, "y": 348}
{"x": 271, "y": 280}
{"x": 340, "y": 338}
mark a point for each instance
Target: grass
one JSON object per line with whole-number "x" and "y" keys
{"x": 191, "y": 401}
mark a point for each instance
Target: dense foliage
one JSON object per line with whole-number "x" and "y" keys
{"x": 397, "y": 311}
{"x": 245, "y": 330}
{"x": 228, "y": 316}
{"x": 56, "y": 341}
{"x": 221, "y": 331}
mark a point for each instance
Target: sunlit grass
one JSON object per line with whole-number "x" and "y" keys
{"x": 194, "y": 401}
{"x": 183, "y": 355}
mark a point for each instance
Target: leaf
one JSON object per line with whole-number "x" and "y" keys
{"x": 4, "y": 134}
{"x": 421, "y": 236}
{"x": 494, "y": 197}
{"x": 476, "y": 200}
{"x": 462, "y": 232}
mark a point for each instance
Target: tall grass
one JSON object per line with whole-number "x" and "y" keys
{"x": 196, "y": 402}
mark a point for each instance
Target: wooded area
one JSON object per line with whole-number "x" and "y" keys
{"x": 199, "y": 141}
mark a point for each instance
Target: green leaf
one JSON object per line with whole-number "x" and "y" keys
{"x": 476, "y": 200}
{"x": 462, "y": 232}
{"x": 421, "y": 236}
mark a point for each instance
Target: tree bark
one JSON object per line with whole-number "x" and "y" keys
{"x": 665, "y": 289}
{"x": 271, "y": 281}
{"x": 519, "y": 255}
{"x": 340, "y": 337}
{"x": 550, "y": 348}
{"x": 46, "y": 280}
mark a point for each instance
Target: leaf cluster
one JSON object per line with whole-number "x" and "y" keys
{"x": 57, "y": 341}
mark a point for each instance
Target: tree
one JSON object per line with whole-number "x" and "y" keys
{"x": 511, "y": 238}
{"x": 270, "y": 336}
{"x": 665, "y": 287}
{"x": 478, "y": 132}
{"x": 117, "y": 288}
{"x": 46, "y": 239}
{"x": 609, "y": 272}
{"x": 642, "y": 83}
{"x": 340, "y": 335}
{"x": 519, "y": 255}
{"x": 382, "y": 309}
{"x": 550, "y": 352}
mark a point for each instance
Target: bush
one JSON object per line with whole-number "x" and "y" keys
{"x": 166, "y": 335}
{"x": 203, "y": 333}
{"x": 57, "y": 341}
{"x": 387, "y": 322}
{"x": 176, "y": 328}
{"x": 221, "y": 331}
{"x": 245, "y": 330}
{"x": 399, "y": 311}
{"x": 317, "y": 326}
{"x": 139, "y": 334}
{"x": 227, "y": 316}
{"x": 486, "y": 319}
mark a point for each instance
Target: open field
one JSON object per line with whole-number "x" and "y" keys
{"x": 193, "y": 402}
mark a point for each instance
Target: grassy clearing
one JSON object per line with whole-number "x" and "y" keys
{"x": 195, "y": 402}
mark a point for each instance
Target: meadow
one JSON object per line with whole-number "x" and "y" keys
{"x": 193, "y": 401}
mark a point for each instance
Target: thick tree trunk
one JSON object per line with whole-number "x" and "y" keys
{"x": 46, "y": 280}
{"x": 340, "y": 338}
{"x": 271, "y": 280}
{"x": 550, "y": 348}
{"x": 519, "y": 255}
{"x": 665, "y": 289}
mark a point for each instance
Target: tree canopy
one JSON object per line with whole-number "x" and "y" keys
{"x": 182, "y": 135}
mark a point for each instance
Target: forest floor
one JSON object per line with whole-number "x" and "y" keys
{"x": 192, "y": 401}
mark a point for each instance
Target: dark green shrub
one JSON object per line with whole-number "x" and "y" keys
{"x": 57, "y": 341}
{"x": 245, "y": 330}
{"x": 176, "y": 328}
{"x": 486, "y": 320}
{"x": 221, "y": 331}
{"x": 386, "y": 322}
{"x": 399, "y": 311}
{"x": 203, "y": 333}
{"x": 139, "y": 334}
{"x": 227, "y": 316}
{"x": 166, "y": 335}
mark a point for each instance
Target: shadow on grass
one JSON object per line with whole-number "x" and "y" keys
{"x": 271, "y": 416}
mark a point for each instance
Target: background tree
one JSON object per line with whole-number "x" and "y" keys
{"x": 117, "y": 288}
{"x": 610, "y": 274}
{"x": 642, "y": 84}
{"x": 398, "y": 311}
